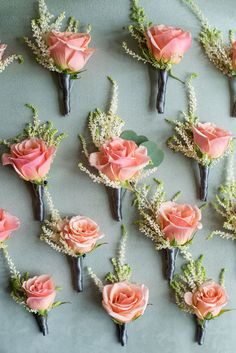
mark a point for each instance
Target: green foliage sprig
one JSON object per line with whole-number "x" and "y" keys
{"x": 182, "y": 141}
{"x": 193, "y": 275}
{"x": 40, "y": 27}
{"x": 217, "y": 50}
{"x": 122, "y": 270}
{"x": 4, "y": 63}
{"x": 225, "y": 206}
{"x": 35, "y": 129}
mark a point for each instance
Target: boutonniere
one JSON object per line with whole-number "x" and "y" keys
{"x": 74, "y": 236}
{"x": 204, "y": 142}
{"x": 4, "y": 62}
{"x": 170, "y": 225}
{"x": 221, "y": 53}
{"x": 31, "y": 153}
{"x": 160, "y": 46}
{"x": 121, "y": 158}
{"x": 199, "y": 296}
{"x": 36, "y": 294}
{"x": 225, "y": 206}
{"x": 123, "y": 300}
{"x": 65, "y": 53}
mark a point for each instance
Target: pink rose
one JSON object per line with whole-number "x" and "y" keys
{"x": 211, "y": 140}
{"x": 40, "y": 292}
{"x": 179, "y": 221}
{"x": 69, "y": 50}
{"x": 8, "y": 223}
{"x": 125, "y": 301}
{"x": 80, "y": 233}
{"x": 120, "y": 159}
{"x": 209, "y": 298}
{"x": 30, "y": 158}
{"x": 2, "y": 50}
{"x": 234, "y": 55}
{"x": 168, "y": 44}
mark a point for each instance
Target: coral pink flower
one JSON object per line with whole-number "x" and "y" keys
{"x": 69, "y": 50}
{"x": 120, "y": 159}
{"x": 179, "y": 221}
{"x": 8, "y": 223}
{"x": 211, "y": 140}
{"x": 125, "y": 301}
{"x": 80, "y": 233}
{"x": 2, "y": 50}
{"x": 168, "y": 44}
{"x": 30, "y": 158}
{"x": 209, "y": 298}
{"x": 40, "y": 292}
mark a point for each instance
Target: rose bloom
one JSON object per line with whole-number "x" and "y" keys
{"x": 69, "y": 50}
{"x": 211, "y": 140}
{"x": 125, "y": 301}
{"x": 179, "y": 221}
{"x": 168, "y": 44}
{"x": 40, "y": 292}
{"x": 30, "y": 158}
{"x": 2, "y": 50}
{"x": 209, "y": 298}
{"x": 234, "y": 55}
{"x": 8, "y": 223}
{"x": 120, "y": 159}
{"x": 79, "y": 233}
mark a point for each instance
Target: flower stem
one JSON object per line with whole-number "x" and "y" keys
{"x": 65, "y": 83}
{"x": 161, "y": 94}
{"x": 116, "y": 202}
{"x": 123, "y": 334}
{"x": 171, "y": 255}
{"x": 38, "y": 201}
{"x": 204, "y": 174}
{"x": 201, "y": 331}
{"x": 232, "y": 85}
{"x": 77, "y": 273}
{"x": 42, "y": 321}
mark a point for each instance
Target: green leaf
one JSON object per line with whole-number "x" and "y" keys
{"x": 155, "y": 153}
{"x": 58, "y": 303}
{"x": 132, "y": 136}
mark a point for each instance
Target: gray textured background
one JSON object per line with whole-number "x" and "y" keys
{"x": 83, "y": 325}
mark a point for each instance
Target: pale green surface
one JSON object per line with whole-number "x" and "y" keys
{"x": 83, "y": 326}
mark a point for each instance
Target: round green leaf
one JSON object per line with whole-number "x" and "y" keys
{"x": 132, "y": 136}
{"x": 155, "y": 153}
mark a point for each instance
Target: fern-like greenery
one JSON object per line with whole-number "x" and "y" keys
{"x": 41, "y": 26}
{"x": 4, "y": 63}
{"x": 217, "y": 50}
{"x": 122, "y": 271}
{"x": 182, "y": 141}
{"x": 138, "y": 30}
{"x": 225, "y": 206}
{"x": 35, "y": 129}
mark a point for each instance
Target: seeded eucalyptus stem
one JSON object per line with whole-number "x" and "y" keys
{"x": 161, "y": 94}
{"x": 42, "y": 323}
